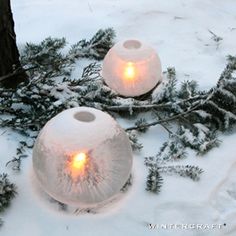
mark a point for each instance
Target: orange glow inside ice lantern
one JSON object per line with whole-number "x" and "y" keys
{"x": 77, "y": 164}
{"x": 129, "y": 72}
{"x": 78, "y": 161}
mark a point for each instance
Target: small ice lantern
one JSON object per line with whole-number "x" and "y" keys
{"x": 82, "y": 157}
{"x": 131, "y": 68}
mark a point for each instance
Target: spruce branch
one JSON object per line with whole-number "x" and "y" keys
{"x": 7, "y": 193}
{"x": 15, "y": 163}
{"x": 146, "y": 106}
{"x": 168, "y": 119}
{"x": 154, "y": 180}
{"x": 133, "y": 137}
{"x": 192, "y": 172}
{"x": 96, "y": 48}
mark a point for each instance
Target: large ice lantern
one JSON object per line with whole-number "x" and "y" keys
{"x": 82, "y": 157}
{"x": 132, "y": 68}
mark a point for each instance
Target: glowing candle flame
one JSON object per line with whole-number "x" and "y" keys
{"x": 129, "y": 72}
{"x": 79, "y": 160}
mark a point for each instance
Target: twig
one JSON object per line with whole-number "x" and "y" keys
{"x": 163, "y": 125}
{"x": 160, "y": 121}
{"x": 18, "y": 71}
{"x": 150, "y": 106}
{"x": 7, "y": 110}
{"x": 3, "y": 132}
{"x": 90, "y": 8}
{"x": 216, "y": 38}
{"x": 172, "y": 117}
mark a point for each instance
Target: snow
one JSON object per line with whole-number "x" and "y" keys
{"x": 179, "y": 31}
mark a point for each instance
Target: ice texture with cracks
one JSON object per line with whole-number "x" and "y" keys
{"x": 82, "y": 157}
{"x": 131, "y": 68}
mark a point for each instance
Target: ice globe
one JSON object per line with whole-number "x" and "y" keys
{"x": 82, "y": 157}
{"x": 131, "y": 68}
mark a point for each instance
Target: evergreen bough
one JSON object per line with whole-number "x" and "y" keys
{"x": 193, "y": 118}
{"x": 7, "y": 193}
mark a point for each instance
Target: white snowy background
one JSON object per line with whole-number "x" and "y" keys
{"x": 179, "y": 31}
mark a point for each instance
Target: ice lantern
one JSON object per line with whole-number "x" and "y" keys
{"x": 82, "y": 157}
{"x": 131, "y": 68}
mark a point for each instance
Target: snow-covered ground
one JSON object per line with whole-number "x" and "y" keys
{"x": 179, "y": 31}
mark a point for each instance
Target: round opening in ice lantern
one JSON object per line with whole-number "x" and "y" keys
{"x": 132, "y": 44}
{"x": 84, "y": 116}
{"x": 132, "y": 68}
{"x": 82, "y": 157}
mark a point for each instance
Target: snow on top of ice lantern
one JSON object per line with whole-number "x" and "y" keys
{"x": 131, "y": 68}
{"x": 82, "y": 157}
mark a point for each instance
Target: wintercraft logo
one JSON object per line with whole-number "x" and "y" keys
{"x": 186, "y": 226}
